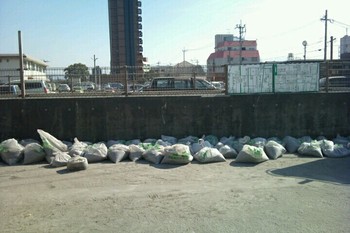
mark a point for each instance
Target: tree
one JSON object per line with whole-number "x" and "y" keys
{"x": 76, "y": 73}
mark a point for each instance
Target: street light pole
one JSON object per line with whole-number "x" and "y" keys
{"x": 304, "y": 44}
{"x": 95, "y": 58}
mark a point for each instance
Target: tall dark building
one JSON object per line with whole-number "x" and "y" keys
{"x": 125, "y": 34}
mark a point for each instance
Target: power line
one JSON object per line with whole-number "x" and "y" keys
{"x": 344, "y": 24}
{"x": 290, "y": 31}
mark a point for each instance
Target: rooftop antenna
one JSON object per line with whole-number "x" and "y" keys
{"x": 242, "y": 31}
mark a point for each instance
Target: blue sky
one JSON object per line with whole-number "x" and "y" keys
{"x": 66, "y": 32}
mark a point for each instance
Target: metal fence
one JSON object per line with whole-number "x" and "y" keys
{"x": 136, "y": 81}
{"x": 105, "y": 81}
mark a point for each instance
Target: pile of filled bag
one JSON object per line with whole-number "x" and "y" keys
{"x": 77, "y": 155}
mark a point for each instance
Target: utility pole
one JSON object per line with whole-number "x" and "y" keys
{"x": 242, "y": 30}
{"x": 325, "y": 19}
{"x": 21, "y": 71}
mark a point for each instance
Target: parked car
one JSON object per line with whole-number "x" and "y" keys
{"x": 107, "y": 88}
{"x": 63, "y": 88}
{"x": 219, "y": 85}
{"x": 10, "y": 90}
{"x": 336, "y": 83}
{"x": 116, "y": 86}
{"x": 88, "y": 86}
{"x": 33, "y": 86}
{"x": 180, "y": 83}
{"x": 134, "y": 88}
{"x": 78, "y": 89}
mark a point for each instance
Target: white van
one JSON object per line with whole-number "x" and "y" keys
{"x": 336, "y": 83}
{"x": 34, "y": 86}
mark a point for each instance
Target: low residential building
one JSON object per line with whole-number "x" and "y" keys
{"x": 10, "y": 65}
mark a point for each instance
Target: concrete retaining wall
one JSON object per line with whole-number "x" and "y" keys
{"x": 96, "y": 119}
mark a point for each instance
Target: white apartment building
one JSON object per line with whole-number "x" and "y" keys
{"x": 230, "y": 51}
{"x": 10, "y": 64}
{"x": 345, "y": 48}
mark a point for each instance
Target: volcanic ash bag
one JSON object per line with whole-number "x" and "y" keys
{"x": 291, "y": 144}
{"x": 51, "y": 145}
{"x": 311, "y": 149}
{"x": 274, "y": 150}
{"x": 60, "y": 159}
{"x": 135, "y": 152}
{"x": 50, "y": 141}
{"x": 169, "y": 139}
{"x": 154, "y": 154}
{"x": 332, "y": 150}
{"x": 118, "y": 152}
{"x": 77, "y": 149}
{"x": 228, "y": 152}
{"x": 96, "y": 152}
{"x": 251, "y": 154}
{"x": 77, "y": 163}
{"x": 177, "y": 154}
{"x": 209, "y": 155}
{"x": 33, "y": 153}
{"x": 11, "y": 151}
{"x": 258, "y": 142}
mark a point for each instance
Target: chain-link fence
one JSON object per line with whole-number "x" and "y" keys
{"x": 158, "y": 80}
{"x": 106, "y": 81}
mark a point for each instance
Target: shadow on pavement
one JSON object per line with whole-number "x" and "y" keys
{"x": 238, "y": 164}
{"x": 327, "y": 169}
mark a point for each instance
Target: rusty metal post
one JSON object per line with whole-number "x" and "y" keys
{"x": 21, "y": 70}
{"x": 226, "y": 79}
{"x": 126, "y": 80}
